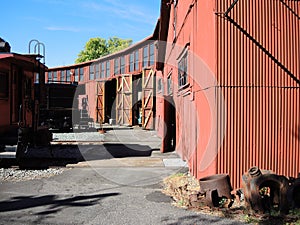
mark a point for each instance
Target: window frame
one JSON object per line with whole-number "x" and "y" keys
{"x": 50, "y": 76}
{"x": 107, "y": 68}
{"x": 136, "y": 60}
{"x": 151, "y": 54}
{"x": 68, "y": 75}
{"x": 76, "y": 74}
{"x": 182, "y": 68}
{"x": 92, "y": 72}
{"x": 97, "y": 71}
{"x": 4, "y": 85}
{"x": 146, "y": 56}
{"x": 54, "y": 76}
{"x": 169, "y": 84}
{"x": 102, "y": 70}
{"x": 63, "y": 75}
{"x": 131, "y": 62}
{"x": 117, "y": 66}
{"x": 122, "y": 64}
{"x": 81, "y": 74}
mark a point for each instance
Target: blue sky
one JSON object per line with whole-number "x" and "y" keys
{"x": 64, "y": 26}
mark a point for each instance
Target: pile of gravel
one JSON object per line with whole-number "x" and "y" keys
{"x": 16, "y": 175}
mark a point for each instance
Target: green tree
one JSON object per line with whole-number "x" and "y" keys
{"x": 97, "y": 47}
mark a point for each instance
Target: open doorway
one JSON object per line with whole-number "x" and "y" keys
{"x": 110, "y": 97}
{"x": 137, "y": 100}
{"x": 170, "y": 119}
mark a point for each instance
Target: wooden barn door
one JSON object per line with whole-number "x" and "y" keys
{"x": 148, "y": 100}
{"x": 100, "y": 106}
{"x": 124, "y": 100}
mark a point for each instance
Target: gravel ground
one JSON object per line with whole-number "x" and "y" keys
{"x": 16, "y": 175}
{"x": 84, "y": 136}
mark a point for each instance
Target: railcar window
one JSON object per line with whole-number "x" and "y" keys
{"x": 151, "y": 54}
{"x": 122, "y": 69}
{"x": 81, "y": 74}
{"x": 182, "y": 70}
{"x": 108, "y": 69}
{"x": 116, "y": 66}
{"x": 28, "y": 85}
{"x": 3, "y": 85}
{"x": 68, "y": 76}
{"x": 136, "y": 60}
{"x": 91, "y": 77}
{"x": 97, "y": 71}
{"x": 145, "y": 56}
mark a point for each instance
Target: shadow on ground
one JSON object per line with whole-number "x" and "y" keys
{"x": 61, "y": 155}
{"x": 52, "y": 203}
{"x": 195, "y": 219}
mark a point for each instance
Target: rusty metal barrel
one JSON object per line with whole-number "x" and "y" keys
{"x": 216, "y": 187}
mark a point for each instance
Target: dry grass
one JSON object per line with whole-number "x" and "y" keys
{"x": 185, "y": 191}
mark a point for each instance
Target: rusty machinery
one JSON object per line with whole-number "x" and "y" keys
{"x": 265, "y": 191}
{"x": 216, "y": 188}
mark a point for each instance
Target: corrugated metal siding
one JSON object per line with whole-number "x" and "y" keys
{"x": 258, "y": 44}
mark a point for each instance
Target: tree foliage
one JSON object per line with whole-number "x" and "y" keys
{"x": 97, "y": 47}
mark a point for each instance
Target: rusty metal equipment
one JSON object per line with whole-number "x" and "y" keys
{"x": 265, "y": 191}
{"x": 216, "y": 188}
{"x": 293, "y": 193}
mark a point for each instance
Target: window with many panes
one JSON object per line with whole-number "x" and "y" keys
{"x": 175, "y": 19}
{"x": 183, "y": 69}
{"x": 131, "y": 62}
{"x": 81, "y": 74}
{"x": 97, "y": 71}
{"x": 122, "y": 68}
{"x": 107, "y": 69}
{"x": 62, "y": 75}
{"x": 76, "y": 75}
{"x": 68, "y": 76}
{"x": 151, "y": 54}
{"x": 117, "y": 66}
{"x": 169, "y": 85}
{"x": 54, "y": 78}
{"x": 136, "y": 60}
{"x": 102, "y": 70}
{"x": 145, "y": 56}
{"x": 50, "y": 78}
{"x": 92, "y": 72}
{"x": 3, "y": 85}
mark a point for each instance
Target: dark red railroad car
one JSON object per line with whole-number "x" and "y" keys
{"x": 19, "y": 106}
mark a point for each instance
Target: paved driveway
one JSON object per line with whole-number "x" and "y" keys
{"x": 90, "y": 196}
{"x": 107, "y": 188}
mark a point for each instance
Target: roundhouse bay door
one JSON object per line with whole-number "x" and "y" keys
{"x": 148, "y": 99}
{"x": 100, "y": 106}
{"x": 124, "y": 100}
